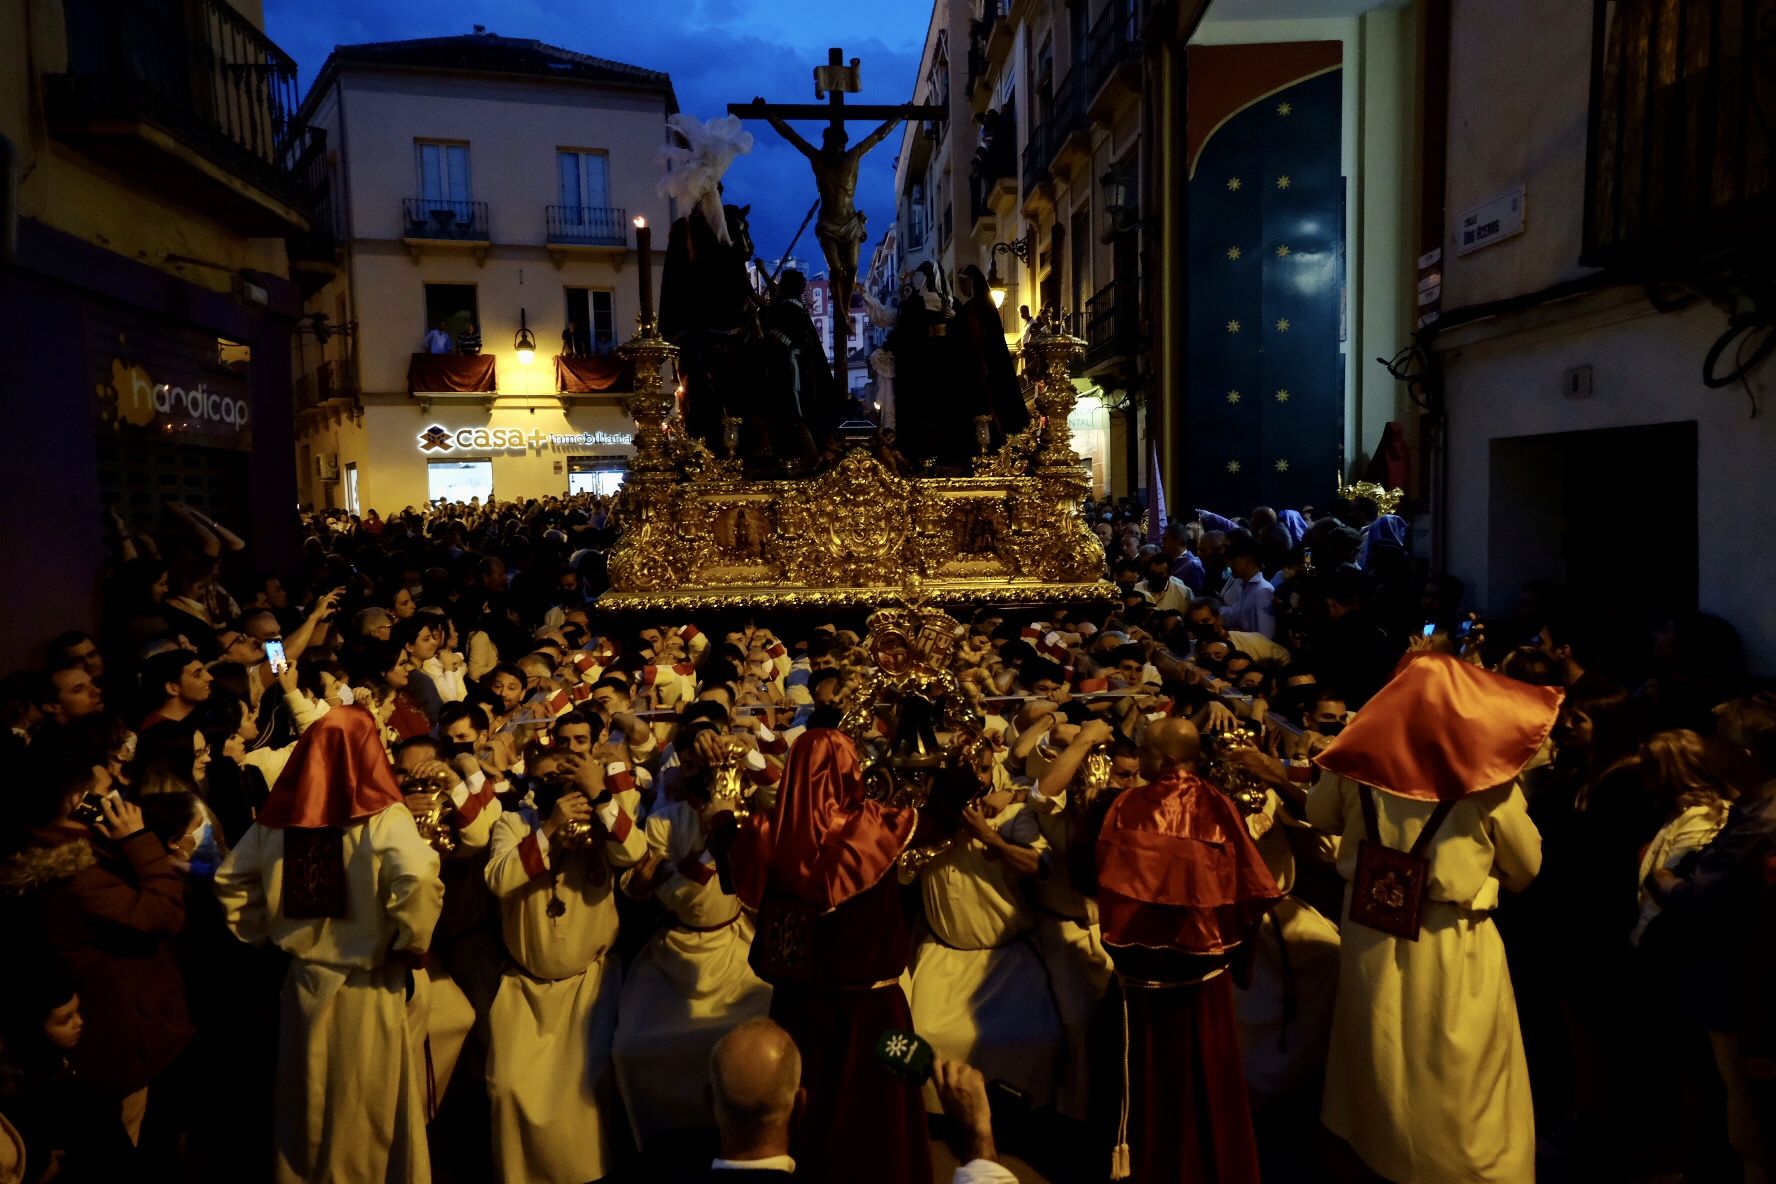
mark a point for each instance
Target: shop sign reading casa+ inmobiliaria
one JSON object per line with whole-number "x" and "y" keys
{"x": 439, "y": 440}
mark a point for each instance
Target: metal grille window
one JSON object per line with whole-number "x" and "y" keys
{"x": 1683, "y": 100}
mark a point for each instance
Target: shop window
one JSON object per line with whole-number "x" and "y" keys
{"x": 454, "y": 304}
{"x": 601, "y": 475}
{"x": 1090, "y": 422}
{"x": 459, "y": 480}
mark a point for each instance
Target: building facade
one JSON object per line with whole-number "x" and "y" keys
{"x": 487, "y": 188}
{"x": 1557, "y": 259}
{"x": 1070, "y": 158}
{"x": 158, "y": 155}
{"x": 1610, "y": 209}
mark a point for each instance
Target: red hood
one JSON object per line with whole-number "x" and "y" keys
{"x": 1443, "y": 729}
{"x": 338, "y": 775}
{"x": 823, "y": 842}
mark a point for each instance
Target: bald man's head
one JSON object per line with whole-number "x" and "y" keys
{"x": 755, "y": 1079}
{"x": 1169, "y": 744}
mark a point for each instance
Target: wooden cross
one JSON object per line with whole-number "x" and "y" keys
{"x": 835, "y": 172}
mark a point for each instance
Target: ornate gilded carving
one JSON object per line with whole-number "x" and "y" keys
{"x": 696, "y": 537}
{"x": 1386, "y": 500}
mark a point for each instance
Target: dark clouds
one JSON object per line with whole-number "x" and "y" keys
{"x": 717, "y": 51}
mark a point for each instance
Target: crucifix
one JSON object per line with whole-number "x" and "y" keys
{"x": 840, "y": 229}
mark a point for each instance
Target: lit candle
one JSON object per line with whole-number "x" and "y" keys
{"x": 644, "y": 253}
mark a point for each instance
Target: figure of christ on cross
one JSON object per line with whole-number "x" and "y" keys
{"x": 841, "y": 226}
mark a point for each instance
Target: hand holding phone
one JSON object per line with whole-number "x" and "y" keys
{"x": 275, "y": 657}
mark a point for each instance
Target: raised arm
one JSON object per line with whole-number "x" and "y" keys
{"x": 789, "y": 133}
{"x": 874, "y": 138}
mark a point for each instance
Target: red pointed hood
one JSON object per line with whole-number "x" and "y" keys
{"x": 338, "y": 775}
{"x": 823, "y": 842}
{"x": 1443, "y": 729}
{"x": 1178, "y": 870}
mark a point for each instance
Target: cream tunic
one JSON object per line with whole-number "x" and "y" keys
{"x": 1285, "y": 1014}
{"x": 978, "y": 990}
{"x": 1072, "y": 950}
{"x": 350, "y": 1093}
{"x": 689, "y": 985}
{"x": 1426, "y": 1077}
{"x": 548, "y": 1060}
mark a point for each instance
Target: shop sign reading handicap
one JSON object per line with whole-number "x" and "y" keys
{"x": 439, "y": 439}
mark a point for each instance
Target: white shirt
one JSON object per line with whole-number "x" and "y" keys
{"x": 1246, "y": 605}
{"x": 437, "y": 342}
{"x": 774, "y": 1163}
{"x": 975, "y": 1171}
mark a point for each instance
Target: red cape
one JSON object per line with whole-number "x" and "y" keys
{"x": 1443, "y": 729}
{"x": 823, "y": 842}
{"x": 1177, "y": 869}
{"x": 338, "y": 775}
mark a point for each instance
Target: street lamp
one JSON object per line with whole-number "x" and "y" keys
{"x": 525, "y": 343}
{"x": 1019, "y": 249}
{"x": 1119, "y": 198}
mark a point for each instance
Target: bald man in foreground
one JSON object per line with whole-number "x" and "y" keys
{"x": 1180, "y": 887}
{"x": 755, "y": 1089}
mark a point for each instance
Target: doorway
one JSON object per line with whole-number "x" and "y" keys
{"x": 459, "y": 480}
{"x": 1573, "y": 508}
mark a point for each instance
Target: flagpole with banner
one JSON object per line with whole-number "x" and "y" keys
{"x": 1156, "y": 500}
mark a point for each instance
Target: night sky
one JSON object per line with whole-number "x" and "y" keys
{"x": 717, "y": 51}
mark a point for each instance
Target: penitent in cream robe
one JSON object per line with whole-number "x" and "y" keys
{"x": 687, "y": 988}
{"x": 548, "y": 1060}
{"x": 978, "y": 990}
{"x": 1072, "y": 949}
{"x": 1426, "y": 1077}
{"x": 350, "y": 1091}
{"x": 1285, "y": 1011}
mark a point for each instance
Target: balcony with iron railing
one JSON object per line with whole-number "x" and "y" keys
{"x": 1112, "y": 324}
{"x": 1001, "y": 32}
{"x": 436, "y": 219}
{"x": 334, "y": 379}
{"x": 587, "y": 226}
{"x": 192, "y": 95}
{"x": 1069, "y": 133}
{"x": 314, "y": 253}
{"x": 1678, "y": 168}
{"x": 993, "y": 174}
{"x": 1113, "y": 58}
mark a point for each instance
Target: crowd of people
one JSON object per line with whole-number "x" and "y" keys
{"x": 414, "y": 863}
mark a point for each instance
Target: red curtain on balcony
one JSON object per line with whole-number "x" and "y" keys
{"x": 465, "y": 373}
{"x": 589, "y": 376}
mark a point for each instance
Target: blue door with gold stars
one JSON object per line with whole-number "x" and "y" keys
{"x": 1264, "y": 402}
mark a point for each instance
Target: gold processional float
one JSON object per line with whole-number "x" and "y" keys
{"x": 697, "y": 537}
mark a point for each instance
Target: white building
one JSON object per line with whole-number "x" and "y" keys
{"x": 1583, "y": 444}
{"x": 489, "y": 181}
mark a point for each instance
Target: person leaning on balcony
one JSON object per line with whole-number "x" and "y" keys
{"x": 437, "y": 340}
{"x": 468, "y": 342}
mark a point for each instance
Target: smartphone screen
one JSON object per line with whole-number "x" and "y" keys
{"x": 274, "y": 654}
{"x": 1430, "y": 628}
